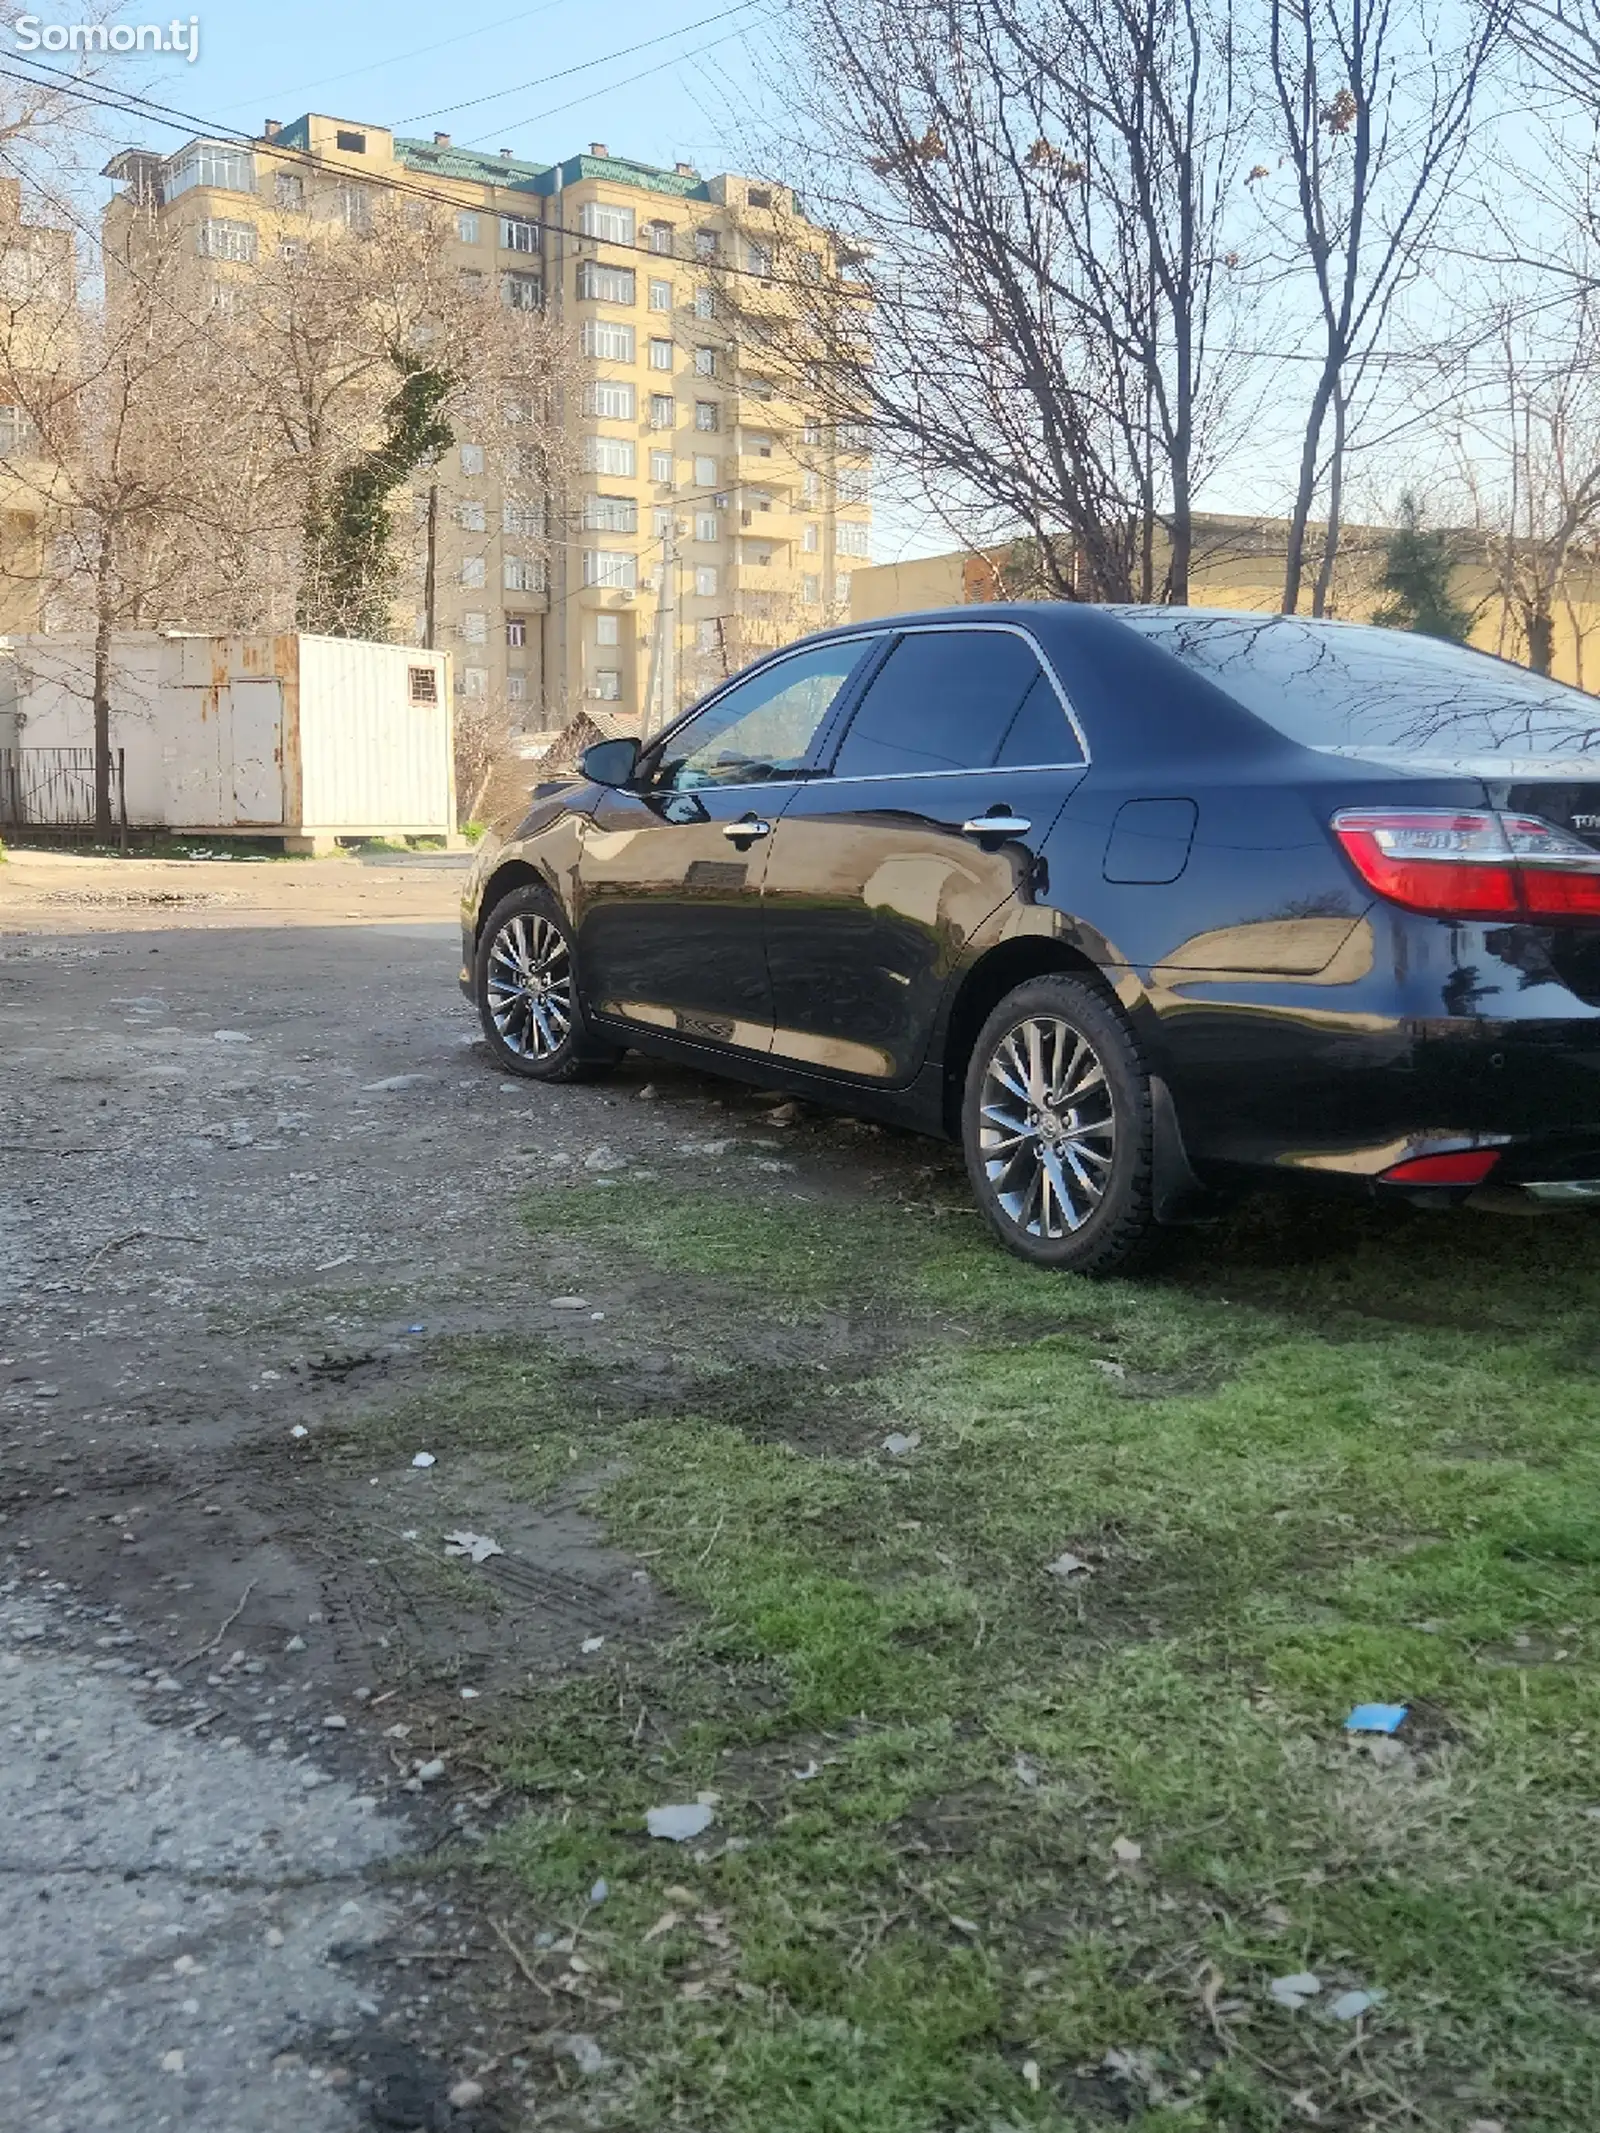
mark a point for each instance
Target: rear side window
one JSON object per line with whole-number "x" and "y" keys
{"x": 956, "y": 700}
{"x": 1351, "y": 688}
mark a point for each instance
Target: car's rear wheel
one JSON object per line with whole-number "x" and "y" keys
{"x": 527, "y": 993}
{"x": 1057, "y": 1130}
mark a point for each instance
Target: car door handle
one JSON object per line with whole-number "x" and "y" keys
{"x": 996, "y": 826}
{"x": 749, "y": 826}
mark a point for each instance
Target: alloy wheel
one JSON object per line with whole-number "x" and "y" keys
{"x": 1048, "y": 1127}
{"x": 529, "y": 982}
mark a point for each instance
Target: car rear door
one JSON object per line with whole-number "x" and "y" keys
{"x": 668, "y": 907}
{"x": 941, "y": 792}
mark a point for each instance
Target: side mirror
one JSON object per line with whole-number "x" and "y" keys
{"x": 610, "y": 762}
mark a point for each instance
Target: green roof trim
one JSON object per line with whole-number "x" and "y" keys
{"x": 621, "y": 170}
{"x": 439, "y": 162}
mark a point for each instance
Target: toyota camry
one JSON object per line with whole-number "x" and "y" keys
{"x": 1145, "y": 906}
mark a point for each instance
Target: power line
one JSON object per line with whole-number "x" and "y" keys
{"x": 583, "y": 66}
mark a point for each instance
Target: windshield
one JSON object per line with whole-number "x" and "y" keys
{"x": 1345, "y": 686}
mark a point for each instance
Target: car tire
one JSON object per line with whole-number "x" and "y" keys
{"x": 1057, "y": 1130}
{"x": 525, "y": 983}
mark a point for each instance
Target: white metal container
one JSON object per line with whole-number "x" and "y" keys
{"x": 304, "y": 738}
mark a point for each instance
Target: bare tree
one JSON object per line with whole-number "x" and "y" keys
{"x": 1374, "y": 108}
{"x": 1032, "y": 203}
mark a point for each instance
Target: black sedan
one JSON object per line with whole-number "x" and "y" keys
{"x": 1146, "y": 905}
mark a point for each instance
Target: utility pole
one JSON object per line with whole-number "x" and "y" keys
{"x": 430, "y": 581}
{"x": 663, "y": 682}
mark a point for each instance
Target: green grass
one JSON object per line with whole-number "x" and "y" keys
{"x": 1372, "y": 1475}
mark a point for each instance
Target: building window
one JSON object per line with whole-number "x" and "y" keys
{"x": 516, "y": 688}
{"x": 854, "y": 437}
{"x": 852, "y": 537}
{"x": 611, "y": 514}
{"x": 597, "y": 218}
{"x": 705, "y": 244}
{"x": 424, "y": 685}
{"x": 661, "y": 521}
{"x": 661, "y": 466}
{"x": 522, "y": 292}
{"x": 659, "y": 236}
{"x": 707, "y": 416}
{"x": 758, "y": 444}
{"x": 705, "y": 580}
{"x": 475, "y": 682}
{"x": 761, "y": 556}
{"x": 472, "y": 459}
{"x": 610, "y": 338}
{"x": 854, "y": 485}
{"x": 660, "y": 355}
{"x": 608, "y": 455}
{"x": 605, "y": 285}
{"x": 841, "y": 588}
{"x": 705, "y": 472}
{"x": 705, "y": 362}
{"x": 811, "y": 433}
{"x": 810, "y": 486}
{"x": 474, "y": 627}
{"x": 227, "y": 170}
{"x": 516, "y": 632}
{"x": 522, "y": 519}
{"x": 811, "y": 539}
{"x": 292, "y": 249}
{"x": 607, "y": 629}
{"x": 706, "y": 526}
{"x": 758, "y": 258}
{"x": 607, "y": 685}
{"x": 707, "y": 636}
{"x": 355, "y": 206}
{"x": 663, "y": 416}
{"x": 524, "y": 574}
{"x": 472, "y": 568}
{"x": 518, "y": 234}
{"x": 470, "y": 280}
{"x": 705, "y": 303}
{"x": 611, "y": 567}
{"x": 611, "y": 398}
{"x": 288, "y": 190}
{"x": 758, "y": 195}
{"x": 215, "y": 239}
{"x": 467, "y": 227}
{"x": 16, "y": 431}
{"x": 811, "y": 589}
{"x": 353, "y": 144}
{"x": 661, "y": 296}
{"x": 471, "y": 517}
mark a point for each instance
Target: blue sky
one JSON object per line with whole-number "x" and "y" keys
{"x": 401, "y": 63}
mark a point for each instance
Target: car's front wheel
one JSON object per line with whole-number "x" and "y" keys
{"x": 527, "y": 992}
{"x": 1057, "y": 1129}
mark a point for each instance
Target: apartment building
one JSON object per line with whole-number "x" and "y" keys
{"x": 713, "y": 516}
{"x": 37, "y": 270}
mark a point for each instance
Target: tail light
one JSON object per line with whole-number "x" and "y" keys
{"x": 1462, "y": 1166}
{"x": 1472, "y": 862}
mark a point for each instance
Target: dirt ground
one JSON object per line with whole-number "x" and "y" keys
{"x": 255, "y": 1165}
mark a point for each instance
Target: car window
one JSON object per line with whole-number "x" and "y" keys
{"x": 1040, "y": 732}
{"x": 1349, "y": 686}
{"x": 949, "y": 700}
{"x": 762, "y": 728}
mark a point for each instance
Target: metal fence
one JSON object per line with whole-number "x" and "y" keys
{"x": 53, "y": 789}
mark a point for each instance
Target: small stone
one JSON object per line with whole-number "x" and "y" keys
{"x": 569, "y": 1303}
{"x": 185, "y": 1966}
{"x": 785, "y": 1115}
{"x": 424, "y": 1459}
{"x": 1349, "y": 2005}
{"x": 1126, "y": 1852}
{"x": 649, "y": 1094}
{"x": 274, "y": 1936}
{"x": 899, "y": 1445}
{"x": 1068, "y": 1566}
{"x": 1293, "y": 1992}
{"x": 336, "y": 1722}
{"x": 299, "y": 1430}
{"x": 172, "y": 2062}
{"x": 603, "y": 1158}
{"x": 591, "y": 1644}
{"x": 296, "y": 1644}
{"x": 430, "y": 1773}
{"x": 466, "y": 2095}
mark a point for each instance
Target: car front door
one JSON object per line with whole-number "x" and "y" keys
{"x": 669, "y": 917}
{"x": 952, "y": 770}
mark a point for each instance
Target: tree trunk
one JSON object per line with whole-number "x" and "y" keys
{"x": 1306, "y": 490}
{"x": 102, "y": 686}
{"x": 1541, "y": 637}
{"x": 1330, "y": 543}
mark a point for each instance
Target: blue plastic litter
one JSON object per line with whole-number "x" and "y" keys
{"x": 1376, "y": 1718}
{"x": 416, "y": 1329}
